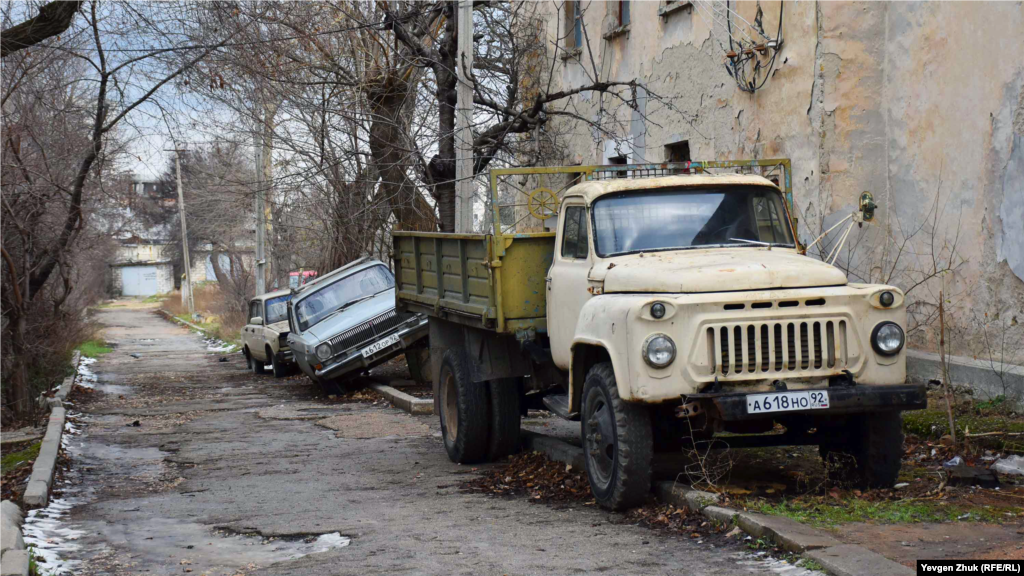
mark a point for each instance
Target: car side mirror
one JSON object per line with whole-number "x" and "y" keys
{"x": 256, "y": 320}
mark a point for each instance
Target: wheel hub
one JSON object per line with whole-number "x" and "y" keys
{"x": 600, "y": 439}
{"x": 450, "y": 406}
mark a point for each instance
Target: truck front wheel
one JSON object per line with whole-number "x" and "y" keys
{"x": 866, "y": 452}
{"x": 464, "y": 410}
{"x": 617, "y": 442}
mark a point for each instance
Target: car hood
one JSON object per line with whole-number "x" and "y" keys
{"x": 714, "y": 270}
{"x": 353, "y": 316}
{"x": 279, "y": 327}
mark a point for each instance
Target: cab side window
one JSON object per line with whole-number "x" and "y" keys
{"x": 575, "y": 242}
{"x": 254, "y": 310}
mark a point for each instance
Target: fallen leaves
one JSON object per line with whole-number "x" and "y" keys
{"x": 533, "y": 475}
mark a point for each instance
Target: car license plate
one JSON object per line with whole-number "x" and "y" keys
{"x": 786, "y": 401}
{"x": 380, "y": 345}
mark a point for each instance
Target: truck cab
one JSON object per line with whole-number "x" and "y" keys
{"x": 677, "y": 309}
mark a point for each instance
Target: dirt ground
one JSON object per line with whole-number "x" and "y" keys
{"x": 182, "y": 462}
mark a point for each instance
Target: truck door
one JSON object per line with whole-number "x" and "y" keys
{"x": 567, "y": 279}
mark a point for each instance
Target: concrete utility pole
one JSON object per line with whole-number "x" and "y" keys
{"x": 463, "y": 118}
{"x": 261, "y": 261}
{"x": 184, "y": 238}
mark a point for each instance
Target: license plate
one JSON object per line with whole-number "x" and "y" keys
{"x": 380, "y": 345}
{"x": 786, "y": 401}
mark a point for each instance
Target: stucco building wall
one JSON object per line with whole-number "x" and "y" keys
{"x": 919, "y": 103}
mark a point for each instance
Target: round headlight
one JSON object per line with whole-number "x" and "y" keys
{"x": 659, "y": 350}
{"x": 886, "y": 299}
{"x": 658, "y": 310}
{"x": 323, "y": 351}
{"x": 887, "y": 338}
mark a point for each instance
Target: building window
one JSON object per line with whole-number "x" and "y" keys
{"x": 623, "y": 12}
{"x": 619, "y": 161}
{"x": 573, "y": 25}
{"x": 678, "y": 152}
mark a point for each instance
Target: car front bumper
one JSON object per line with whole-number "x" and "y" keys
{"x": 353, "y": 358}
{"x": 856, "y": 399}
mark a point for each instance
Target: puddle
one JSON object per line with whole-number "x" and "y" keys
{"x": 115, "y": 389}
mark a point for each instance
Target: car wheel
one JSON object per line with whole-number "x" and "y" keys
{"x": 248, "y": 358}
{"x": 867, "y": 452}
{"x": 418, "y": 360}
{"x": 254, "y": 363}
{"x": 280, "y": 370}
{"x": 505, "y": 418}
{"x": 617, "y": 442}
{"x": 464, "y": 411}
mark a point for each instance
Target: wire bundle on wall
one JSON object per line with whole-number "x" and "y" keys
{"x": 748, "y": 60}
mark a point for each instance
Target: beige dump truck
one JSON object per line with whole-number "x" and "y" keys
{"x": 669, "y": 305}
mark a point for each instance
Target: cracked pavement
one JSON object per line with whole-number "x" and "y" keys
{"x": 230, "y": 473}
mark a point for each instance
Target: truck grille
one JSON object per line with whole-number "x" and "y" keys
{"x": 368, "y": 330}
{"x": 765, "y": 348}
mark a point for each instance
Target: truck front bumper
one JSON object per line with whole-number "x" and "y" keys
{"x": 353, "y": 358}
{"x": 856, "y": 399}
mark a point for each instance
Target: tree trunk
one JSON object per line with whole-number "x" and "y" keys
{"x": 388, "y": 95}
{"x": 21, "y": 396}
{"x": 442, "y": 165}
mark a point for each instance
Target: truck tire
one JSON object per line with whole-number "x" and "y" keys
{"x": 255, "y": 365}
{"x": 418, "y": 360}
{"x": 505, "y": 419}
{"x": 867, "y": 452}
{"x": 280, "y": 370}
{"x": 465, "y": 409}
{"x": 617, "y": 442}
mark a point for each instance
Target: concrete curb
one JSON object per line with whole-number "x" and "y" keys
{"x": 407, "y": 402}
{"x": 988, "y": 379}
{"x": 837, "y": 558}
{"x": 13, "y": 554}
{"x": 554, "y": 448}
{"x": 39, "y": 483}
{"x": 167, "y": 315}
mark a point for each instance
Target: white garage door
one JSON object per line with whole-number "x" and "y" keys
{"x": 139, "y": 281}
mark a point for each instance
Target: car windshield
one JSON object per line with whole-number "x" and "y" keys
{"x": 277, "y": 309}
{"x": 681, "y": 218}
{"x": 327, "y": 300}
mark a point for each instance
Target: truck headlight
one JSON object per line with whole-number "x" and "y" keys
{"x": 887, "y": 338}
{"x": 324, "y": 351}
{"x": 659, "y": 350}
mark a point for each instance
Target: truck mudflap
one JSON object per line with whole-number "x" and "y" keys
{"x": 856, "y": 399}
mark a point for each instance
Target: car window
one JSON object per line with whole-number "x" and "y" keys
{"x": 330, "y": 298}
{"x": 254, "y": 310}
{"x": 277, "y": 309}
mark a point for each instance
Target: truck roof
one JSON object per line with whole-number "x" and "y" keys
{"x": 594, "y": 189}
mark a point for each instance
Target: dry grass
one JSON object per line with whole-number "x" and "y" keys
{"x": 222, "y": 315}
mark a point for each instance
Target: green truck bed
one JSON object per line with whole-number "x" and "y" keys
{"x": 492, "y": 282}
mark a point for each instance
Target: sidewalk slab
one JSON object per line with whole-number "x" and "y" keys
{"x": 38, "y": 491}
{"x": 407, "y": 402}
{"x": 853, "y": 560}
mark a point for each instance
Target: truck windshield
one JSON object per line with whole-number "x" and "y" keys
{"x": 277, "y": 309}
{"x": 325, "y": 301}
{"x": 682, "y": 218}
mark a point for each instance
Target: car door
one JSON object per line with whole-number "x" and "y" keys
{"x": 247, "y": 329}
{"x": 567, "y": 280}
{"x": 256, "y": 347}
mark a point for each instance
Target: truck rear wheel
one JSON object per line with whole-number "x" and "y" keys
{"x": 464, "y": 411}
{"x": 505, "y": 418}
{"x": 617, "y": 442}
{"x": 867, "y": 452}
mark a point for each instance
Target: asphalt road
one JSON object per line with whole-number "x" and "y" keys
{"x": 230, "y": 473}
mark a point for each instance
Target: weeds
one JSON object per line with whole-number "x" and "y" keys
{"x": 13, "y": 460}
{"x": 94, "y": 348}
{"x": 909, "y": 511}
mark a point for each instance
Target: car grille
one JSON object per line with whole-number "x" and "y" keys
{"x": 368, "y": 330}
{"x": 777, "y": 347}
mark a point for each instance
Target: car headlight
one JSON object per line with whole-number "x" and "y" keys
{"x": 659, "y": 350}
{"x": 887, "y": 338}
{"x": 324, "y": 351}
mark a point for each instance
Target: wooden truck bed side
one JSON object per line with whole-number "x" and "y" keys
{"x": 492, "y": 282}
